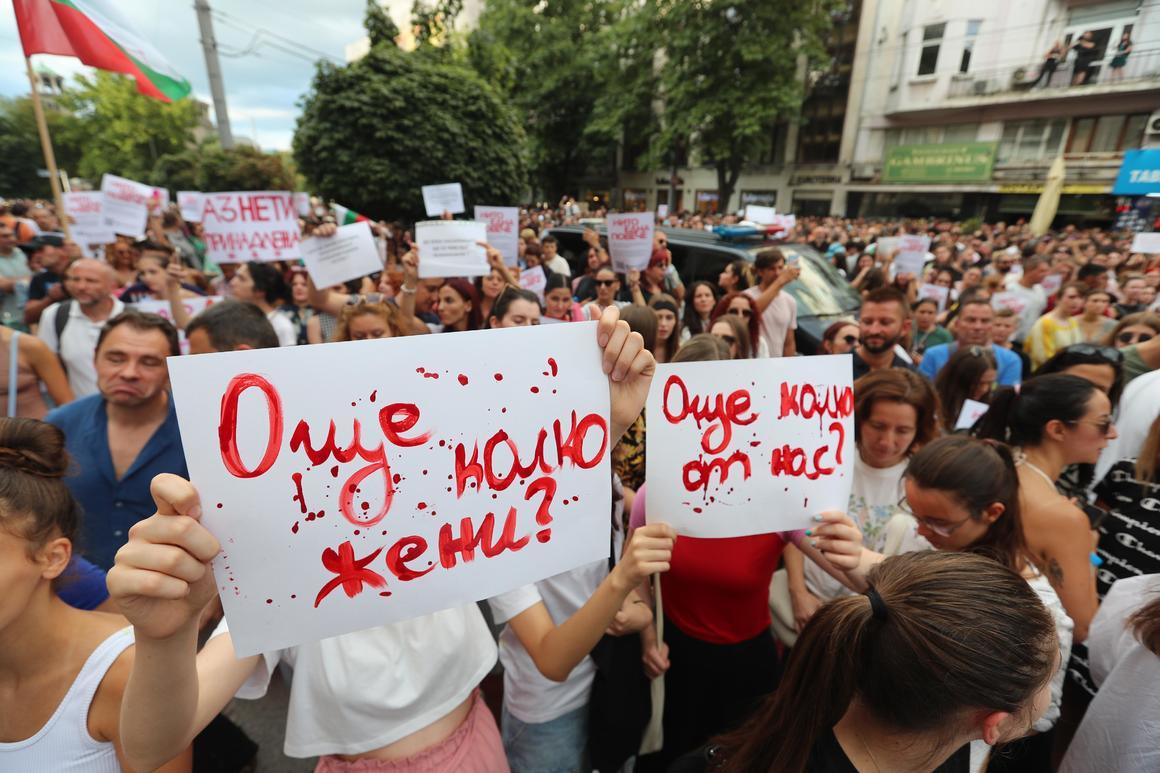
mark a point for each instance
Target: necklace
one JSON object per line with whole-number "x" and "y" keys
{"x": 866, "y": 746}
{"x": 1023, "y": 460}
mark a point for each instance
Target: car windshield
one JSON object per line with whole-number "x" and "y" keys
{"x": 820, "y": 290}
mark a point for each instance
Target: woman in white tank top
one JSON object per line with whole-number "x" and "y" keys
{"x": 62, "y": 670}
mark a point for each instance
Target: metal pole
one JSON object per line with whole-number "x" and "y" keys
{"x": 46, "y": 146}
{"x": 214, "y": 71}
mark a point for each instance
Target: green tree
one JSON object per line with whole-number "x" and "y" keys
{"x": 207, "y": 167}
{"x": 546, "y": 57}
{"x": 122, "y": 132}
{"x": 371, "y": 133}
{"x": 21, "y": 158}
{"x": 381, "y": 29}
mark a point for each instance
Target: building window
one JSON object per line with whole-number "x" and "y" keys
{"x": 932, "y": 36}
{"x": 1030, "y": 140}
{"x": 961, "y": 132}
{"x": 969, "y": 44}
{"x": 1106, "y": 133}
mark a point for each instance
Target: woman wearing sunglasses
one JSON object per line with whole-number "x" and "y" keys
{"x": 730, "y": 329}
{"x": 1054, "y": 421}
{"x": 1138, "y": 337}
{"x": 744, "y": 308}
{"x": 964, "y": 494}
{"x": 842, "y": 337}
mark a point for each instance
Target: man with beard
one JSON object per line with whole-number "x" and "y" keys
{"x": 72, "y": 327}
{"x": 973, "y": 328}
{"x": 885, "y": 320}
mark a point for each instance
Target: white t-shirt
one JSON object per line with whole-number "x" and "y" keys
{"x": 357, "y": 692}
{"x": 1120, "y": 732}
{"x": 873, "y": 503}
{"x": 78, "y": 344}
{"x": 779, "y": 317}
{"x": 1139, "y": 407}
{"x": 558, "y": 265}
{"x": 283, "y": 328}
{"x": 1033, "y": 301}
{"x": 528, "y": 695}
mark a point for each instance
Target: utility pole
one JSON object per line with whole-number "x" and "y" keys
{"x": 214, "y": 70}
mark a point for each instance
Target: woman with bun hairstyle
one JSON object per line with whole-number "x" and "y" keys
{"x": 62, "y": 670}
{"x": 1052, "y": 422}
{"x": 941, "y": 650}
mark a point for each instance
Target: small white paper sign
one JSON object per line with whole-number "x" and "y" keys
{"x": 125, "y": 204}
{"x": 940, "y": 294}
{"x": 192, "y": 205}
{"x": 193, "y": 307}
{"x": 1008, "y": 300}
{"x": 749, "y": 447}
{"x": 885, "y": 245}
{"x": 451, "y": 248}
{"x": 662, "y": 211}
{"x": 349, "y": 254}
{"x": 785, "y": 222}
{"x": 391, "y": 495}
{"x": 630, "y": 240}
{"x": 250, "y": 225}
{"x": 302, "y": 204}
{"x": 970, "y": 413}
{"x": 1051, "y": 283}
{"x": 534, "y": 279}
{"x": 759, "y": 214}
{"x": 912, "y": 251}
{"x": 443, "y": 198}
{"x": 1148, "y": 243}
{"x": 503, "y": 230}
{"x": 88, "y": 226}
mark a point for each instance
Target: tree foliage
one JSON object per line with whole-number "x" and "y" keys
{"x": 120, "y": 131}
{"x": 372, "y": 132}
{"x": 207, "y": 167}
{"x": 21, "y": 158}
{"x": 381, "y": 29}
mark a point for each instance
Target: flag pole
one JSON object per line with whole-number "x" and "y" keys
{"x": 46, "y": 146}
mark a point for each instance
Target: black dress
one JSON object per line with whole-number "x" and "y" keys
{"x": 827, "y": 756}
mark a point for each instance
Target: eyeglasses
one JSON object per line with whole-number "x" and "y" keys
{"x": 1124, "y": 338}
{"x": 1104, "y": 427}
{"x": 1114, "y": 356}
{"x": 605, "y": 282}
{"x": 739, "y": 312}
{"x": 941, "y": 528}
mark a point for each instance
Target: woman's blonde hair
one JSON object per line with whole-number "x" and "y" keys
{"x": 387, "y": 311}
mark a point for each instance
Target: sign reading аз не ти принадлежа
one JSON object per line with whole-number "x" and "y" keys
{"x": 952, "y": 162}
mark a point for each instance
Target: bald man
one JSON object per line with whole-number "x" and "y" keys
{"x": 74, "y": 335}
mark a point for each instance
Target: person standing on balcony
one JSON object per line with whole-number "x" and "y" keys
{"x": 1050, "y": 62}
{"x": 1121, "y": 58}
{"x": 1085, "y": 54}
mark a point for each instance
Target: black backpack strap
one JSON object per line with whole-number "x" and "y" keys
{"x": 63, "y": 312}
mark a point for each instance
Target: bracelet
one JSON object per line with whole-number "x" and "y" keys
{"x": 408, "y": 290}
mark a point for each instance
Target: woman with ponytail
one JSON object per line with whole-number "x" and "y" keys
{"x": 942, "y": 649}
{"x": 62, "y": 670}
{"x": 1055, "y": 421}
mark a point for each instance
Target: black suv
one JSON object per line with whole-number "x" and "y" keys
{"x": 823, "y": 296}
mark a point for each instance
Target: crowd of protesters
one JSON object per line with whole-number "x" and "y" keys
{"x": 988, "y": 599}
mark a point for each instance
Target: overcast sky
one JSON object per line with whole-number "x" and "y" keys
{"x": 262, "y": 88}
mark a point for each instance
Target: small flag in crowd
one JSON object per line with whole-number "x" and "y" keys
{"x": 94, "y": 32}
{"x": 344, "y": 216}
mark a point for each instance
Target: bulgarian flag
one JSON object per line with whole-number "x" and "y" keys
{"x": 344, "y": 216}
{"x": 94, "y": 32}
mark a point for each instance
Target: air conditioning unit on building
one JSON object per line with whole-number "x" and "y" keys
{"x": 1152, "y": 128}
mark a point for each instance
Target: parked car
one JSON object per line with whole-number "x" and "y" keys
{"x": 822, "y": 294}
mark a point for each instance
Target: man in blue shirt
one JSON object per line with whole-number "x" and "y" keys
{"x": 120, "y": 438}
{"x": 973, "y": 328}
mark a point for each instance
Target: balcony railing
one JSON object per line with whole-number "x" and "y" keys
{"x": 1143, "y": 66}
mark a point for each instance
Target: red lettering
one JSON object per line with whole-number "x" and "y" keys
{"x": 543, "y": 514}
{"x": 398, "y": 418}
{"x": 721, "y": 412}
{"x": 228, "y": 425}
{"x": 468, "y": 540}
{"x": 352, "y": 573}
{"x": 350, "y": 488}
{"x": 805, "y": 401}
{"x": 465, "y": 470}
{"x": 697, "y": 475}
{"x": 301, "y": 439}
{"x": 407, "y": 549}
{"x": 795, "y": 463}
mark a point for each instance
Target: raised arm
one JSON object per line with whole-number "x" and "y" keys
{"x": 787, "y": 274}
{"x": 161, "y": 582}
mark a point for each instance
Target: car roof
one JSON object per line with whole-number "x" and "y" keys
{"x": 688, "y": 236}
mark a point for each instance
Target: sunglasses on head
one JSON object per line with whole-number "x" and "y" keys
{"x": 1133, "y": 338}
{"x": 1114, "y": 356}
{"x": 605, "y": 282}
{"x": 741, "y": 312}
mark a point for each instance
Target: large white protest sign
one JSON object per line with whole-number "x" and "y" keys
{"x": 88, "y": 225}
{"x": 749, "y": 447}
{"x": 971, "y": 411}
{"x": 912, "y": 251}
{"x": 503, "y": 230}
{"x": 250, "y": 225}
{"x": 758, "y": 214}
{"x": 1148, "y": 243}
{"x": 443, "y": 198}
{"x": 630, "y": 240}
{"x": 191, "y": 204}
{"x": 455, "y": 474}
{"x": 125, "y": 204}
{"x": 936, "y": 292}
{"x": 349, "y": 254}
{"x": 451, "y": 248}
